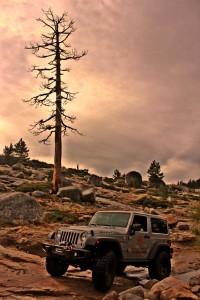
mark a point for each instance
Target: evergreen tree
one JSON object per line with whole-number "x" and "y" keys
{"x": 21, "y": 150}
{"x": 8, "y": 150}
{"x": 155, "y": 174}
{"x": 117, "y": 174}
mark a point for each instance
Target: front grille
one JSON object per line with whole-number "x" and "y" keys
{"x": 69, "y": 236}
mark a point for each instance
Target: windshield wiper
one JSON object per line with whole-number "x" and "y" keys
{"x": 93, "y": 224}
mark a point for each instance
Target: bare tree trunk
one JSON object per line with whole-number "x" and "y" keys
{"x": 58, "y": 123}
{"x": 55, "y": 49}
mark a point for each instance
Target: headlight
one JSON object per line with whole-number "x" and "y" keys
{"x": 83, "y": 236}
{"x": 58, "y": 235}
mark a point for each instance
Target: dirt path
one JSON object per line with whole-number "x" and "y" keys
{"x": 24, "y": 277}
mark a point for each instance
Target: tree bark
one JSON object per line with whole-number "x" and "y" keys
{"x": 58, "y": 123}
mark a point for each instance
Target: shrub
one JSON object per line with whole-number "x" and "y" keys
{"x": 195, "y": 213}
{"x": 34, "y": 186}
{"x": 153, "y": 202}
{"x": 163, "y": 192}
{"x": 55, "y": 216}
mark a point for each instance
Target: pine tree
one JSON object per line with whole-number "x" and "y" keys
{"x": 155, "y": 174}
{"x": 116, "y": 174}
{"x": 21, "y": 150}
{"x": 8, "y": 150}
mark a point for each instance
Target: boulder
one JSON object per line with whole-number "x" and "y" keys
{"x": 166, "y": 284}
{"x": 65, "y": 182}
{"x": 178, "y": 293}
{"x": 19, "y": 207}
{"x": 88, "y": 195}
{"x": 95, "y": 180}
{"x": 133, "y": 179}
{"x": 18, "y": 166}
{"x": 71, "y": 192}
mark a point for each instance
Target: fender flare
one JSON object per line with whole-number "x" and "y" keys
{"x": 157, "y": 248}
{"x": 105, "y": 242}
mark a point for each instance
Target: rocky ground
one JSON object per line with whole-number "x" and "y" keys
{"x": 22, "y": 258}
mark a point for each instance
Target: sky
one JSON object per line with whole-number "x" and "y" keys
{"x": 138, "y": 86}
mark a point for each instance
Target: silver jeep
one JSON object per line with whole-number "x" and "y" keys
{"x": 111, "y": 241}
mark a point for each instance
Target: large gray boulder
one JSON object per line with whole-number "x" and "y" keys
{"x": 95, "y": 180}
{"x": 72, "y": 192}
{"x": 19, "y": 207}
{"x": 88, "y": 195}
{"x": 133, "y": 179}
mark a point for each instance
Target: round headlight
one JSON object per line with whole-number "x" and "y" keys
{"x": 58, "y": 235}
{"x": 83, "y": 236}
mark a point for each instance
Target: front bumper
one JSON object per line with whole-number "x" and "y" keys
{"x": 67, "y": 253}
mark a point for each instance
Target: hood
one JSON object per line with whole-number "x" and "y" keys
{"x": 95, "y": 230}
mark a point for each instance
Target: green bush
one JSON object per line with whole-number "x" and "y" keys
{"x": 153, "y": 202}
{"x": 58, "y": 216}
{"x": 34, "y": 186}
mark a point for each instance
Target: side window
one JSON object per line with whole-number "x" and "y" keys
{"x": 141, "y": 220}
{"x": 159, "y": 226}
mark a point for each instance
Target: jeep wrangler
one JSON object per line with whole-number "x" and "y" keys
{"x": 111, "y": 241}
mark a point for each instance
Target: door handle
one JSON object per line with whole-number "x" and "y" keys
{"x": 146, "y": 237}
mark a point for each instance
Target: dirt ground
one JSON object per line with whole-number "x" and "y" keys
{"x": 24, "y": 276}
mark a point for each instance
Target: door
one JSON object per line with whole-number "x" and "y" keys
{"x": 139, "y": 241}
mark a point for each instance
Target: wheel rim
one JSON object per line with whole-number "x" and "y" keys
{"x": 164, "y": 267}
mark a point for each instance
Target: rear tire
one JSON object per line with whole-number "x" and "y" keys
{"x": 104, "y": 271}
{"x": 56, "y": 267}
{"x": 160, "y": 267}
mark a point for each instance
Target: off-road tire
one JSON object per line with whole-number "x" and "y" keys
{"x": 160, "y": 267}
{"x": 104, "y": 271}
{"x": 56, "y": 267}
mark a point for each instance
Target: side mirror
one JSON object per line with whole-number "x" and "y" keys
{"x": 135, "y": 227}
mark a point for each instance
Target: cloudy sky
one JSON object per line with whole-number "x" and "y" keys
{"x": 138, "y": 85}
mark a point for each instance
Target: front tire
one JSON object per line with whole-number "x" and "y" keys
{"x": 104, "y": 271}
{"x": 56, "y": 267}
{"x": 160, "y": 267}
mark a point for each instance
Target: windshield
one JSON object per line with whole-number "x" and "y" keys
{"x": 118, "y": 219}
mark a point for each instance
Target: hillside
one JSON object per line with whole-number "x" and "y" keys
{"x": 21, "y": 236}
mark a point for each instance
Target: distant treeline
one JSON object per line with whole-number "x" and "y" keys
{"x": 192, "y": 184}
{"x": 34, "y": 163}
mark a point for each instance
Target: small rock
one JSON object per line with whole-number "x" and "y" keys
{"x": 183, "y": 227}
{"x": 138, "y": 291}
{"x": 18, "y": 166}
{"x": 147, "y": 284}
{"x": 95, "y": 180}
{"x": 129, "y": 296}
{"x": 195, "y": 289}
{"x": 3, "y": 187}
{"x": 38, "y": 194}
{"x": 111, "y": 296}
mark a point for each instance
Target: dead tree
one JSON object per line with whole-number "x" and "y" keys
{"x": 55, "y": 51}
